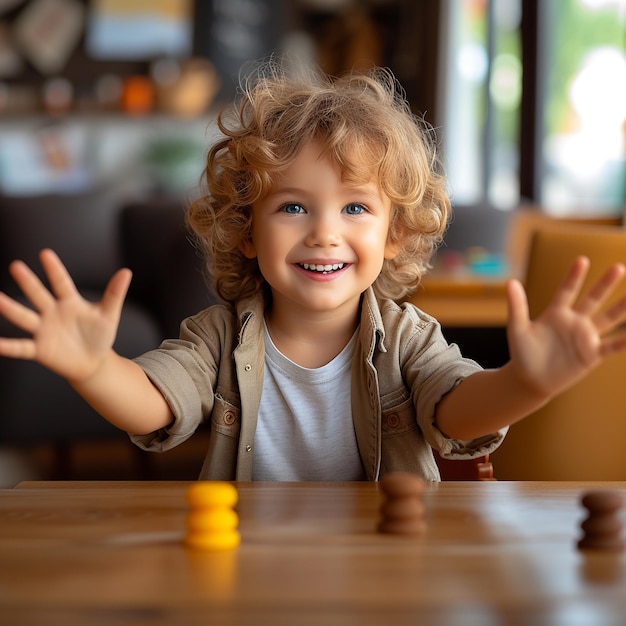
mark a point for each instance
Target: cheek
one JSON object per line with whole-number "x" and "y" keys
{"x": 269, "y": 248}
{"x": 376, "y": 240}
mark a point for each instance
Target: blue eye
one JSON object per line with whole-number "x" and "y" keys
{"x": 292, "y": 208}
{"x": 354, "y": 208}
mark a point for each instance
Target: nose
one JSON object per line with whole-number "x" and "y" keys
{"x": 325, "y": 230}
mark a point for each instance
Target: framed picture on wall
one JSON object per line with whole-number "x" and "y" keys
{"x": 130, "y": 30}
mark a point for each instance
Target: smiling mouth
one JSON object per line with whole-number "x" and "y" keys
{"x": 322, "y": 269}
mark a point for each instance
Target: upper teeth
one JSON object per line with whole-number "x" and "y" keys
{"x": 322, "y": 268}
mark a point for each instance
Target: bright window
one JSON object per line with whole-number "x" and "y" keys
{"x": 481, "y": 100}
{"x": 579, "y": 155}
{"x": 584, "y": 167}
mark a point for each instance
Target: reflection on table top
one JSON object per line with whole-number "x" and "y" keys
{"x": 493, "y": 553}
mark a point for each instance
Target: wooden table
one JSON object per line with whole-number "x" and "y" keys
{"x": 465, "y": 301}
{"x": 494, "y": 553}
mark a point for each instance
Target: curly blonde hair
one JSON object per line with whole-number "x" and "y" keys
{"x": 365, "y": 125}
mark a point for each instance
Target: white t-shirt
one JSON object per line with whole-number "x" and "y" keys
{"x": 305, "y": 430}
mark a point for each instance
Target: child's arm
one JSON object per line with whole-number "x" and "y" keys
{"x": 74, "y": 338}
{"x": 548, "y": 355}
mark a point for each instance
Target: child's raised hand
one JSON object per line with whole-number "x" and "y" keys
{"x": 571, "y": 336}
{"x": 69, "y": 335}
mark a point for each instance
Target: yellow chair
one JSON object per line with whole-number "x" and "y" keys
{"x": 581, "y": 435}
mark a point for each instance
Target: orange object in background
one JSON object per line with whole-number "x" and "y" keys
{"x": 137, "y": 95}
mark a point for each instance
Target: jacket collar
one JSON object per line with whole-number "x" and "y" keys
{"x": 372, "y": 331}
{"x": 250, "y": 315}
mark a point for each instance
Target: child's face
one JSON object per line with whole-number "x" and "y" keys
{"x": 312, "y": 219}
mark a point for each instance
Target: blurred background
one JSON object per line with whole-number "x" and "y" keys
{"x": 106, "y": 104}
{"x": 528, "y": 97}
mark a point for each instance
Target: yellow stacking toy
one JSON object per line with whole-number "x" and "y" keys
{"x": 212, "y": 521}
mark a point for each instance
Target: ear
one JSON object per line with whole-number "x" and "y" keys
{"x": 395, "y": 236}
{"x": 391, "y": 251}
{"x": 248, "y": 248}
{"x": 392, "y": 248}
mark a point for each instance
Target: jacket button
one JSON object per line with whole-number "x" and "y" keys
{"x": 248, "y": 448}
{"x": 393, "y": 421}
{"x": 229, "y": 418}
{"x": 247, "y": 367}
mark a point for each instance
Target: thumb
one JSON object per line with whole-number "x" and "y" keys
{"x": 115, "y": 292}
{"x": 517, "y": 306}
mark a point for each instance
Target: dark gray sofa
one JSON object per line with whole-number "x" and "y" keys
{"x": 94, "y": 234}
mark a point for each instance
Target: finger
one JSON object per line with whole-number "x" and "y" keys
{"x": 115, "y": 293}
{"x": 31, "y": 286}
{"x": 60, "y": 280}
{"x": 18, "y": 348}
{"x": 601, "y": 290}
{"x": 611, "y": 318}
{"x": 569, "y": 290}
{"x": 18, "y": 314}
{"x": 613, "y": 344}
{"x": 517, "y": 304}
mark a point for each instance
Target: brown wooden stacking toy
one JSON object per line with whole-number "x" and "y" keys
{"x": 402, "y": 510}
{"x": 602, "y": 528}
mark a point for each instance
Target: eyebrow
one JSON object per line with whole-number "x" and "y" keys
{"x": 371, "y": 192}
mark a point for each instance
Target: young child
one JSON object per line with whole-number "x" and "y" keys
{"x": 323, "y": 209}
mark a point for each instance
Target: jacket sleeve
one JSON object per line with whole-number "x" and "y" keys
{"x": 432, "y": 368}
{"x": 185, "y": 371}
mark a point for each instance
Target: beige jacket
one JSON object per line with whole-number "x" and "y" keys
{"x": 402, "y": 367}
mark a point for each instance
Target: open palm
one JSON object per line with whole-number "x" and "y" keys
{"x": 68, "y": 334}
{"x": 571, "y": 336}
